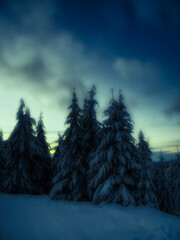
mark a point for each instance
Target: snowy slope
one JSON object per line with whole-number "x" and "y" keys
{"x": 24, "y": 217}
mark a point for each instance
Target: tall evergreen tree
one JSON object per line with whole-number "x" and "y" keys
{"x": 84, "y": 122}
{"x": 58, "y": 148}
{"x": 37, "y": 174}
{"x": 90, "y": 131}
{"x": 164, "y": 197}
{"x": 172, "y": 183}
{"x": 41, "y": 135}
{"x": 68, "y": 183}
{"x": 146, "y": 185}
{"x": 137, "y": 168}
{"x": 177, "y": 184}
{"x": 16, "y": 177}
{"x": 156, "y": 174}
{"x": 91, "y": 126}
{"x": 22, "y": 171}
{"x": 46, "y": 162}
{"x": 112, "y": 165}
{"x": 58, "y": 154}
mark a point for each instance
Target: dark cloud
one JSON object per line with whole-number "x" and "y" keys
{"x": 35, "y": 70}
{"x": 174, "y": 108}
{"x": 146, "y": 77}
{"x": 35, "y": 57}
{"x": 32, "y": 70}
{"x": 52, "y": 69}
{"x": 132, "y": 102}
{"x": 124, "y": 21}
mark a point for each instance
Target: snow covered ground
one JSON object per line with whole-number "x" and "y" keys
{"x": 24, "y": 217}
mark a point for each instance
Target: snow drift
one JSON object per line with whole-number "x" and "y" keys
{"x": 25, "y": 217}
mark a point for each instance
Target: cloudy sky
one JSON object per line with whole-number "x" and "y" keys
{"x": 47, "y": 47}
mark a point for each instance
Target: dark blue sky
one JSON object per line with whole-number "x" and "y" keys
{"x": 143, "y": 29}
{"x": 47, "y": 47}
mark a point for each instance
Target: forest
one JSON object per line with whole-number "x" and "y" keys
{"x": 98, "y": 162}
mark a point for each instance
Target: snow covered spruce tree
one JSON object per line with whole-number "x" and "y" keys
{"x": 113, "y": 161}
{"x": 90, "y": 128}
{"x": 172, "y": 173}
{"x": 16, "y": 178}
{"x": 146, "y": 188}
{"x": 68, "y": 183}
{"x": 38, "y": 175}
{"x": 57, "y": 157}
{"x": 22, "y": 170}
{"x": 135, "y": 174}
{"x": 177, "y": 185}
{"x": 155, "y": 168}
{"x": 58, "y": 147}
{"x": 46, "y": 163}
{"x": 164, "y": 196}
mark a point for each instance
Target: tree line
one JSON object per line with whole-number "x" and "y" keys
{"x": 94, "y": 161}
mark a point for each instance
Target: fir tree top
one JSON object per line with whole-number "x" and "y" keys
{"x": 90, "y": 124}
{"x": 75, "y": 111}
{"x": 92, "y": 101}
{"x": 41, "y": 133}
{"x": 143, "y": 147}
{"x": 126, "y": 121}
{"x": 73, "y": 120}
{"x": 118, "y": 117}
{"x": 20, "y": 111}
